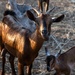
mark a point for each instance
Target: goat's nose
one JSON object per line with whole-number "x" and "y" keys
{"x": 44, "y": 32}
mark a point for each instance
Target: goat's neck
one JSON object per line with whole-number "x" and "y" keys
{"x": 36, "y": 40}
{"x": 56, "y": 60}
{"x": 57, "y": 63}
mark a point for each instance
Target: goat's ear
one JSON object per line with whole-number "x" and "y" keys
{"x": 58, "y": 54}
{"x": 58, "y": 19}
{"x": 30, "y": 15}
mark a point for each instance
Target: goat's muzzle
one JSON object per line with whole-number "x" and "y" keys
{"x": 45, "y": 35}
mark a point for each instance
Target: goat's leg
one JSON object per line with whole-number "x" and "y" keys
{"x": 67, "y": 71}
{"x": 11, "y": 60}
{"x": 67, "y": 74}
{"x": 47, "y": 5}
{"x": 29, "y": 69}
{"x": 20, "y": 69}
{"x": 3, "y": 53}
{"x": 57, "y": 74}
{"x": 40, "y": 5}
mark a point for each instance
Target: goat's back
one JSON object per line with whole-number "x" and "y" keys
{"x": 68, "y": 56}
{"x": 23, "y": 8}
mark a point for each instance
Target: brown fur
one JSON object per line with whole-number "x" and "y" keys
{"x": 63, "y": 64}
{"x": 3, "y": 53}
{"x": 40, "y": 4}
{"x": 23, "y": 44}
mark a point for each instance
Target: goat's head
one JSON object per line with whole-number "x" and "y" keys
{"x": 12, "y": 5}
{"x": 44, "y": 22}
{"x": 51, "y": 60}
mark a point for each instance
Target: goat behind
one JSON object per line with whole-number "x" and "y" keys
{"x": 62, "y": 63}
{"x": 23, "y": 45}
{"x": 43, "y": 5}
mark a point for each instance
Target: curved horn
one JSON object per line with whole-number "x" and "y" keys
{"x": 58, "y": 54}
{"x": 50, "y": 10}
{"x": 37, "y": 12}
{"x": 47, "y": 52}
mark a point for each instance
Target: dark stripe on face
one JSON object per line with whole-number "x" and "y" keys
{"x": 44, "y": 23}
{"x": 44, "y": 27}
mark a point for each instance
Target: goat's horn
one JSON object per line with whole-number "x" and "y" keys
{"x": 46, "y": 51}
{"x": 37, "y": 12}
{"x": 58, "y": 53}
{"x": 50, "y": 10}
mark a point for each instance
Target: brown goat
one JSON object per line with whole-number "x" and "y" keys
{"x": 23, "y": 44}
{"x": 4, "y": 51}
{"x": 11, "y": 5}
{"x": 40, "y": 4}
{"x": 17, "y": 8}
{"x": 62, "y": 63}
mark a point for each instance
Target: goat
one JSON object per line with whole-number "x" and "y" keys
{"x": 46, "y": 5}
{"x": 19, "y": 9}
{"x": 11, "y": 5}
{"x": 62, "y": 63}
{"x": 4, "y": 50}
{"x": 23, "y": 44}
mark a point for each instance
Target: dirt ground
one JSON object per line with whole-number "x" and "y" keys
{"x": 63, "y": 32}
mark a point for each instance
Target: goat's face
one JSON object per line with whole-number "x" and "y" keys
{"x": 50, "y": 61}
{"x": 44, "y": 22}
